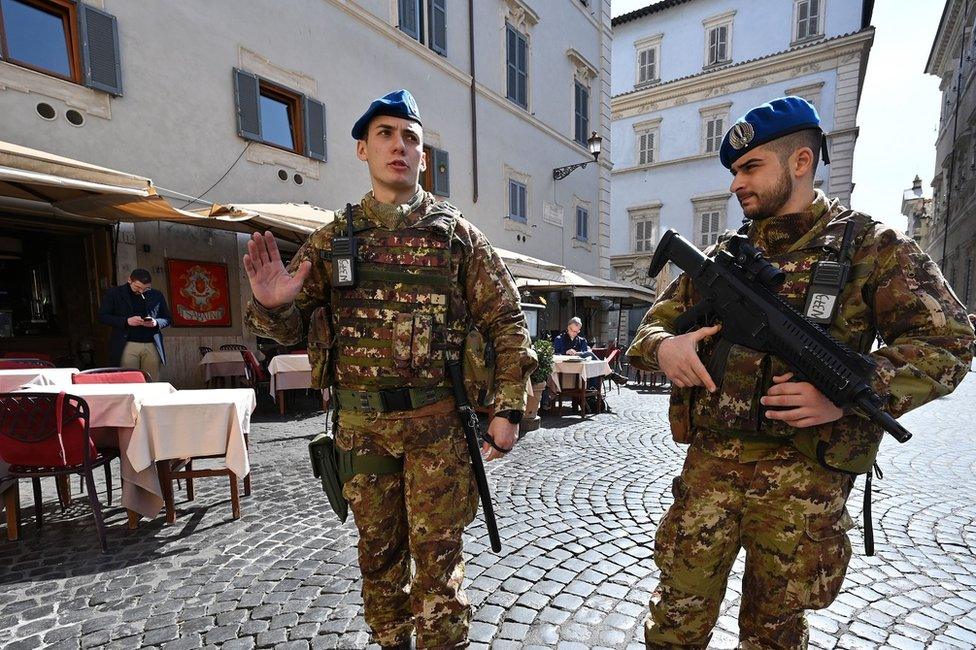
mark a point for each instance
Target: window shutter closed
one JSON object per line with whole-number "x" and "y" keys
{"x": 100, "y": 49}
{"x": 247, "y": 94}
{"x": 442, "y": 173}
{"x": 409, "y": 18}
{"x": 314, "y": 113}
{"x": 438, "y": 26}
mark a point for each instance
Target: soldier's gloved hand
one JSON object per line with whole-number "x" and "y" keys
{"x": 504, "y": 433}
{"x": 271, "y": 284}
{"x": 677, "y": 357}
{"x": 806, "y": 406}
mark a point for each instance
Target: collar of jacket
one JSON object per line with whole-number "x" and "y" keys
{"x": 391, "y": 215}
{"x": 788, "y": 232}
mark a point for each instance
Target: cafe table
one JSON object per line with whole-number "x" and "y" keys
{"x": 223, "y": 363}
{"x": 190, "y": 424}
{"x": 288, "y": 372}
{"x": 118, "y": 406}
{"x": 564, "y": 364}
{"x": 13, "y": 378}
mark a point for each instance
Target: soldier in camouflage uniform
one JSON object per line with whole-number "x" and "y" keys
{"x": 425, "y": 276}
{"x": 771, "y": 461}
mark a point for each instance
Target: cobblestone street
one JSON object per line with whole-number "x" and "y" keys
{"x": 578, "y": 503}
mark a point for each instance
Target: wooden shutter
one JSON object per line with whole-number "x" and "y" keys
{"x": 523, "y": 70}
{"x": 409, "y": 18}
{"x": 442, "y": 179}
{"x": 100, "y": 49}
{"x": 314, "y": 114}
{"x": 438, "y": 26}
{"x": 247, "y": 94}
{"x": 511, "y": 65}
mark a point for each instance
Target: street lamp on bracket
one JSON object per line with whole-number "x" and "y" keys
{"x": 594, "y": 143}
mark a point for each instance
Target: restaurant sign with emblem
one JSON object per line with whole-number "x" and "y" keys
{"x": 199, "y": 293}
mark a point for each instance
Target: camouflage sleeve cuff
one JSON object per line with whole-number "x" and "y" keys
{"x": 282, "y": 324}
{"x": 510, "y": 396}
{"x": 643, "y": 354}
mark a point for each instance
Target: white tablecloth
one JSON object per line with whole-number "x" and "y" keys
{"x": 187, "y": 424}
{"x": 586, "y": 369}
{"x": 223, "y": 363}
{"x": 289, "y": 371}
{"x": 13, "y": 378}
{"x": 118, "y": 406}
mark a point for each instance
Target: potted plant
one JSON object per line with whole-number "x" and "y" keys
{"x": 544, "y": 351}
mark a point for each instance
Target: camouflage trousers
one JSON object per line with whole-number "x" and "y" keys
{"x": 416, "y": 515}
{"x": 791, "y": 518}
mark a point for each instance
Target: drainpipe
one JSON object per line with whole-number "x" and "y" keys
{"x": 474, "y": 110}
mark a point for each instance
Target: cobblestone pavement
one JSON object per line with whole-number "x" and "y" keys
{"x": 578, "y": 503}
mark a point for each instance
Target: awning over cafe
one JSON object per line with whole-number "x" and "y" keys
{"x": 72, "y": 188}
{"x": 289, "y": 221}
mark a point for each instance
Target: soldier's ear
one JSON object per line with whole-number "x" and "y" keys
{"x": 423, "y": 160}
{"x": 361, "y": 150}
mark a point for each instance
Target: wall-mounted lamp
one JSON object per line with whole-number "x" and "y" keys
{"x": 594, "y": 143}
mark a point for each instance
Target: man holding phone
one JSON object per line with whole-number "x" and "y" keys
{"x": 137, "y": 313}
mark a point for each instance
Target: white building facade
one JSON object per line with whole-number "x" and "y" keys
{"x": 684, "y": 71}
{"x": 236, "y": 103}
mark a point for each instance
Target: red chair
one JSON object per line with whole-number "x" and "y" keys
{"x": 48, "y": 435}
{"x": 10, "y": 363}
{"x": 612, "y": 360}
{"x": 111, "y": 376}
{"x": 255, "y": 373}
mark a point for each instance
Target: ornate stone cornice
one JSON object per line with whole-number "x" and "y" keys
{"x": 773, "y": 69}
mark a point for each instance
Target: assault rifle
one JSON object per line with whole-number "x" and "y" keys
{"x": 738, "y": 288}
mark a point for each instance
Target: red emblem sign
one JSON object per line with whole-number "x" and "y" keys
{"x": 199, "y": 293}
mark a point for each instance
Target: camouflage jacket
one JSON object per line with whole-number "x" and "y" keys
{"x": 482, "y": 287}
{"x": 895, "y": 292}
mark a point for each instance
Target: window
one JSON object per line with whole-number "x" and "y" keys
{"x": 709, "y": 227}
{"x": 582, "y": 223}
{"x": 516, "y": 57}
{"x": 278, "y": 116}
{"x": 64, "y": 39}
{"x": 718, "y": 39}
{"x": 718, "y": 45}
{"x": 516, "y": 201}
{"x": 644, "y": 229}
{"x": 425, "y": 21}
{"x": 809, "y": 14}
{"x": 647, "y": 135}
{"x": 436, "y": 178}
{"x": 647, "y": 65}
{"x": 582, "y": 113}
{"x": 714, "y": 119}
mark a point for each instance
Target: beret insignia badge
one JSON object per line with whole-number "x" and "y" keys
{"x": 741, "y": 135}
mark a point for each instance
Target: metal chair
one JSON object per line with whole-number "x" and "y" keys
{"x": 48, "y": 435}
{"x": 233, "y": 346}
{"x": 9, "y": 363}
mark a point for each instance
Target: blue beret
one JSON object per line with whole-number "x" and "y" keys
{"x": 766, "y": 123}
{"x": 399, "y": 103}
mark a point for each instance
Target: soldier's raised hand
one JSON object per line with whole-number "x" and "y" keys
{"x": 678, "y": 359}
{"x": 271, "y": 284}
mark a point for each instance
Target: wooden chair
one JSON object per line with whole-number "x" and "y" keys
{"x": 49, "y": 435}
{"x": 578, "y": 393}
{"x": 173, "y": 470}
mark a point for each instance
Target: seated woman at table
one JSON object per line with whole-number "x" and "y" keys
{"x": 571, "y": 343}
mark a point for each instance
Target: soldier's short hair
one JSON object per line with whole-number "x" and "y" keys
{"x": 786, "y": 145}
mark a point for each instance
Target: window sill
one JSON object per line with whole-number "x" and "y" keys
{"x": 808, "y": 39}
{"x": 265, "y": 154}
{"x": 647, "y": 84}
{"x": 582, "y": 243}
{"x": 716, "y": 65}
{"x": 25, "y": 80}
{"x": 518, "y": 226}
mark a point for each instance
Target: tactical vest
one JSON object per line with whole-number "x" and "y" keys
{"x": 744, "y": 375}
{"x": 396, "y": 328}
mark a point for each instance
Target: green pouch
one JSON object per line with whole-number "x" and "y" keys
{"x": 325, "y": 466}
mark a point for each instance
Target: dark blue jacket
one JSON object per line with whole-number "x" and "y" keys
{"x": 116, "y": 310}
{"x": 564, "y": 343}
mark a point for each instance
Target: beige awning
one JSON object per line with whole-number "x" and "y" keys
{"x": 584, "y": 285}
{"x": 75, "y": 188}
{"x": 290, "y": 221}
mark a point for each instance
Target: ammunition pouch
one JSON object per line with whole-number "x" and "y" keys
{"x": 478, "y": 370}
{"x": 336, "y": 466}
{"x": 394, "y": 399}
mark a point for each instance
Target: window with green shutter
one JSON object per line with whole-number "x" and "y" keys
{"x": 516, "y": 64}
{"x": 278, "y": 116}
{"x": 424, "y": 21}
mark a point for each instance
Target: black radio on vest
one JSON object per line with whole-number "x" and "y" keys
{"x": 344, "y": 255}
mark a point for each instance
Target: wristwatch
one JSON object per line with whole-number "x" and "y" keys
{"x": 511, "y": 415}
